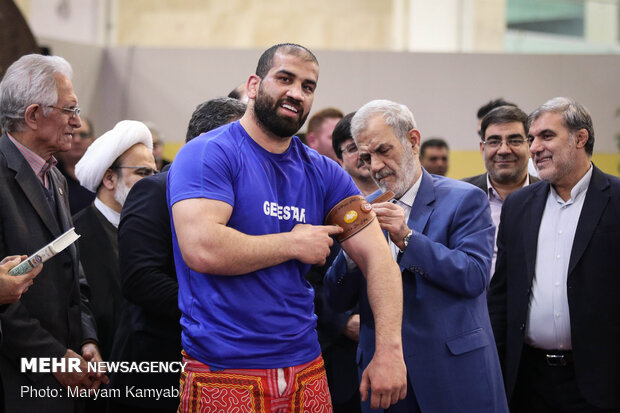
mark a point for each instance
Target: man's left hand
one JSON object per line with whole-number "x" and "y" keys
{"x": 386, "y": 377}
{"x": 90, "y": 352}
{"x": 392, "y": 219}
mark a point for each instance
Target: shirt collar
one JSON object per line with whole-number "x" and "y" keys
{"x": 492, "y": 193}
{"x": 409, "y": 197}
{"x": 39, "y": 165}
{"x": 109, "y": 214}
{"x": 577, "y": 190}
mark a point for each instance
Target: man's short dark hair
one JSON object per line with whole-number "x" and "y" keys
{"x": 265, "y": 62}
{"x": 503, "y": 114}
{"x": 433, "y": 143}
{"x": 234, "y": 94}
{"x": 489, "y": 106}
{"x": 213, "y": 114}
{"x": 341, "y": 133}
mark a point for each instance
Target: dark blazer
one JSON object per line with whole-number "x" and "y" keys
{"x": 452, "y": 364}
{"x": 339, "y": 352}
{"x": 99, "y": 258}
{"x": 52, "y": 315}
{"x": 593, "y": 285}
{"x": 481, "y": 181}
{"x": 149, "y": 328}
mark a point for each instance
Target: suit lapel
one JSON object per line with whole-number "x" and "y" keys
{"x": 29, "y": 183}
{"x": 62, "y": 204}
{"x": 422, "y": 206}
{"x": 531, "y": 221}
{"x": 593, "y": 206}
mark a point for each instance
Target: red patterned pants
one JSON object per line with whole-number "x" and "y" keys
{"x": 294, "y": 389}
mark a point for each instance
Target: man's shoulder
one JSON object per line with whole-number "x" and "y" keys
{"x": 84, "y": 216}
{"x": 452, "y": 186}
{"x": 476, "y": 178}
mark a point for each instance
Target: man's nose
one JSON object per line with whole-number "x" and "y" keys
{"x": 294, "y": 91}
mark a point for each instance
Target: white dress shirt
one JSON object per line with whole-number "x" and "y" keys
{"x": 110, "y": 214}
{"x": 548, "y": 325}
{"x": 406, "y": 203}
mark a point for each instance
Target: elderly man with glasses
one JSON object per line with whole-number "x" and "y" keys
{"x": 39, "y": 114}
{"x": 504, "y": 149}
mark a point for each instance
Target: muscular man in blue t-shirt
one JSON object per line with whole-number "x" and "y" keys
{"x": 248, "y": 202}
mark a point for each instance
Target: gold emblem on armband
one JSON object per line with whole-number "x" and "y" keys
{"x": 350, "y": 216}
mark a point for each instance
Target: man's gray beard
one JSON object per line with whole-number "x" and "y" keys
{"x": 121, "y": 191}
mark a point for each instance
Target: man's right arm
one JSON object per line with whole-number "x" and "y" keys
{"x": 208, "y": 245}
{"x": 12, "y": 287}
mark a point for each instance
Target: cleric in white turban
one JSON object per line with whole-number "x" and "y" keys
{"x": 105, "y": 150}
{"x": 110, "y": 167}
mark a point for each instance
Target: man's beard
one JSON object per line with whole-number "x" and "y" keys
{"x": 121, "y": 191}
{"x": 265, "y": 109}
{"x": 407, "y": 170}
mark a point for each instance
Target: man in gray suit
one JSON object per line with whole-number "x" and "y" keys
{"x": 38, "y": 112}
{"x": 504, "y": 149}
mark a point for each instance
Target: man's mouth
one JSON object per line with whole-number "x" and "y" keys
{"x": 290, "y": 107}
{"x": 542, "y": 160}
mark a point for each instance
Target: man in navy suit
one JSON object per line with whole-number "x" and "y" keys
{"x": 441, "y": 234}
{"x": 554, "y": 297}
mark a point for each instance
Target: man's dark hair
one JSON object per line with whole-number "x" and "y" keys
{"x": 489, "y": 106}
{"x": 265, "y": 63}
{"x": 213, "y": 114}
{"x": 433, "y": 143}
{"x": 503, "y": 114}
{"x": 318, "y": 118}
{"x": 234, "y": 94}
{"x": 342, "y": 132}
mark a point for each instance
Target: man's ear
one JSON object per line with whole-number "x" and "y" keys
{"x": 252, "y": 86}
{"x": 581, "y": 138}
{"x": 110, "y": 178}
{"x": 481, "y": 147}
{"x": 414, "y": 138}
{"x": 32, "y": 115}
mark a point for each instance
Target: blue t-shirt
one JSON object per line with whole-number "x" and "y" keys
{"x": 264, "y": 319}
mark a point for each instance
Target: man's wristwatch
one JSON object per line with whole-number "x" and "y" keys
{"x": 406, "y": 239}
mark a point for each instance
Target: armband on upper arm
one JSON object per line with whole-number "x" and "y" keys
{"x": 353, "y": 214}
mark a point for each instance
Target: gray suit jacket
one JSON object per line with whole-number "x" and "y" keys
{"x": 53, "y": 314}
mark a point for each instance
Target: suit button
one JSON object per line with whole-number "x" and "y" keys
{"x": 339, "y": 282}
{"x": 522, "y": 327}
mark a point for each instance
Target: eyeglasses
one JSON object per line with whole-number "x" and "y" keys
{"x": 139, "y": 170}
{"x": 349, "y": 149}
{"x": 495, "y": 143}
{"x": 73, "y": 111}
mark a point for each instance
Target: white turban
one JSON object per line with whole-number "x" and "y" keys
{"x": 107, "y": 148}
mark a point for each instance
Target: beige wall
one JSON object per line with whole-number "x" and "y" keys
{"x": 327, "y": 24}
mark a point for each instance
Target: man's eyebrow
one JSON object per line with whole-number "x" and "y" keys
{"x": 285, "y": 72}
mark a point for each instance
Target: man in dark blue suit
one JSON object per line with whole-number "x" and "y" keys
{"x": 441, "y": 234}
{"x": 149, "y": 327}
{"x": 554, "y": 297}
